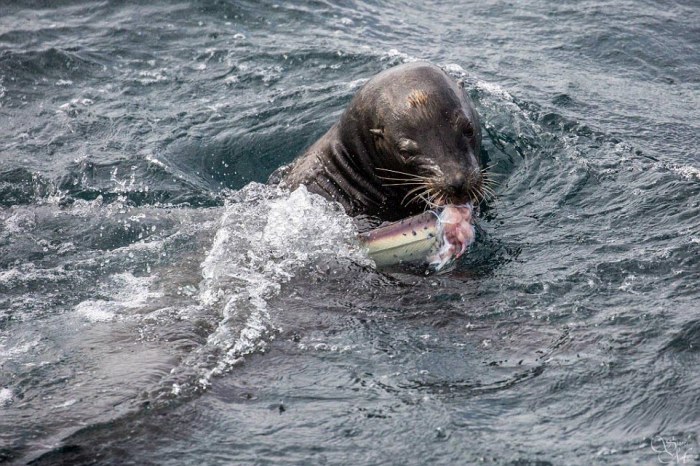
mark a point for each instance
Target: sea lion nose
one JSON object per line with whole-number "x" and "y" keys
{"x": 459, "y": 183}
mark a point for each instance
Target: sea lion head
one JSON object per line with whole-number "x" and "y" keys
{"x": 422, "y": 137}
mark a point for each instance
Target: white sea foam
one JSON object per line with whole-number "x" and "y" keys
{"x": 153, "y": 160}
{"x": 264, "y": 237}
{"x": 65, "y": 404}
{"x": 126, "y": 292}
{"x": 5, "y": 396}
{"x": 97, "y": 311}
{"x": 404, "y": 57}
{"x": 21, "y": 221}
{"x": 151, "y": 77}
{"x": 687, "y": 171}
{"x": 454, "y": 69}
{"x": 75, "y": 103}
{"x": 123, "y": 185}
{"x": 3, "y": 90}
{"x": 357, "y": 83}
{"x": 231, "y": 79}
{"x": 25, "y": 273}
{"x": 493, "y": 89}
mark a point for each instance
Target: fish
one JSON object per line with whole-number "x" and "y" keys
{"x": 436, "y": 238}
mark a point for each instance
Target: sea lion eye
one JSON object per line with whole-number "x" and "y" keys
{"x": 407, "y": 148}
{"x": 463, "y": 125}
{"x": 468, "y": 131}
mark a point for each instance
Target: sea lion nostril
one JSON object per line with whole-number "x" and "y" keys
{"x": 458, "y": 183}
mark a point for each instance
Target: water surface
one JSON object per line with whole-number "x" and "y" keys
{"x": 159, "y": 305}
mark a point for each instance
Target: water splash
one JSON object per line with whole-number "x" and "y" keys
{"x": 264, "y": 237}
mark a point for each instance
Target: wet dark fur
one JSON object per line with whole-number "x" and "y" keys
{"x": 409, "y": 139}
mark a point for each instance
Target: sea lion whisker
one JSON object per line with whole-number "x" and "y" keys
{"x": 418, "y": 195}
{"x": 433, "y": 193}
{"x": 488, "y": 193}
{"x": 425, "y": 201}
{"x": 430, "y": 203}
{"x": 492, "y": 176}
{"x": 424, "y": 182}
{"x": 394, "y": 171}
{"x": 435, "y": 199}
{"x": 405, "y": 180}
{"x": 414, "y": 190}
{"x": 414, "y": 198}
{"x": 429, "y": 196}
{"x": 403, "y": 184}
{"x": 410, "y": 175}
{"x": 401, "y": 177}
{"x": 488, "y": 186}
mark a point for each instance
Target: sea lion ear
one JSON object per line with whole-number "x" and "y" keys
{"x": 378, "y": 132}
{"x": 460, "y": 83}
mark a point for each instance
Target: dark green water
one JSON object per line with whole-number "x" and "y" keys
{"x": 160, "y": 306}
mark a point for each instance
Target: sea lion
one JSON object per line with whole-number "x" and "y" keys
{"x": 409, "y": 140}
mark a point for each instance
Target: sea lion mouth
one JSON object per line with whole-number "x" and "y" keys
{"x": 434, "y": 190}
{"x": 472, "y": 192}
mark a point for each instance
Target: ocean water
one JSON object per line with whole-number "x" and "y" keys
{"x": 159, "y": 304}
